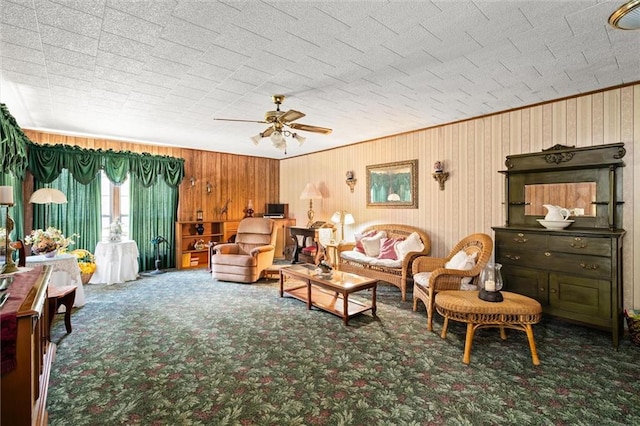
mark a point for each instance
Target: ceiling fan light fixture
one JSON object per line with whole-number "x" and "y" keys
{"x": 276, "y": 137}
{"x": 627, "y": 16}
{"x": 299, "y": 138}
{"x": 256, "y": 139}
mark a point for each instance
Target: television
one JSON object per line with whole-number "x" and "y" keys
{"x": 277, "y": 210}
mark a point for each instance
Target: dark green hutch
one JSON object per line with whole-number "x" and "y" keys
{"x": 576, "y": 272}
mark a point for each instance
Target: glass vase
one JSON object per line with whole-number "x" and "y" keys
{"x": 491, "y": 283}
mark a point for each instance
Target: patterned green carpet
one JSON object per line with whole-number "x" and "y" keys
{"x": 182, "y": 349}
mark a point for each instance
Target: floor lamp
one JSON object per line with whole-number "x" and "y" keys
{"x": 6, "y": 199}
{"x": 342, "y": 217}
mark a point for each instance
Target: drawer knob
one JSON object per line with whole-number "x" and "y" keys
{"x": 553, "y": 290}
{"x": 520, "y": 240}
{"x": 512, "y": 256}
{"x": 578, "y": 246}
{"x": 546, "y": 253}
{"x": 542, "y": 290}
{"x": 593, "y": 266}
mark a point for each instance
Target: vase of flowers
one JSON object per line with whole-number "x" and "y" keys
{"x": 86, "y": 263}
{"x": 49, "y": 241}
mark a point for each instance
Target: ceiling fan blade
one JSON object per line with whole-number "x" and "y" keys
{"x": 291, "y": 115}
{"x": 243, "y": 121}
{"x": 308, "y": 128}
{"x": 267, "y": 132}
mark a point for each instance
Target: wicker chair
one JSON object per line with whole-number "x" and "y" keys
{"x": 430, "y": 276}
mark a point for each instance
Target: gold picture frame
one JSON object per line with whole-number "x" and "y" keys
{"x": 393, "y": 185}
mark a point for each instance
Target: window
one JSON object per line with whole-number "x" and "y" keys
{"x": 115, "y": 204}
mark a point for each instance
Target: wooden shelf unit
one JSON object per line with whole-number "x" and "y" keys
{"x": 187, "y": 256}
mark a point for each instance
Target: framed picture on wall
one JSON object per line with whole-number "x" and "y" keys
{"x": 393, "y": 185}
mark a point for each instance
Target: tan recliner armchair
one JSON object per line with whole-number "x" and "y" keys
{"x": 252, "y": 252}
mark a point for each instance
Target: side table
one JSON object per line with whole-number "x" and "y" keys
{"x": 515, "y": 311}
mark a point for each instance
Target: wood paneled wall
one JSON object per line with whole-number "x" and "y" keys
{"x": 235, "y": 177}
{"x": 473, "y": 152}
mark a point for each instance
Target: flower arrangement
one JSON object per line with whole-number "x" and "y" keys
{"x": 3, "y": 240}
{"x": 48, "y": 241}
{"x": 86, "y": 263}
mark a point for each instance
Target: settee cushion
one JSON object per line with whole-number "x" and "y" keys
{"x": 359, "y": 247}
{"x": 412, "y": 243}
{"x": 358, "y": 257}
{"x": 388, "y": 248}
{"x": 372, "y": 244}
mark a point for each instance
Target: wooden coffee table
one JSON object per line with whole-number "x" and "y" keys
{"x": 329, "y": 294}
{"x": 515, "y": 311}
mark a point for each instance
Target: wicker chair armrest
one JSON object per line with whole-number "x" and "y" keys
{"x": 427, "y": 264}
{"x": 448, "y": 279}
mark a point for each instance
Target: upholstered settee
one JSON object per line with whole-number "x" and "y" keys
{"x": 397, "y": 246}
{"x": 252, "y": 252}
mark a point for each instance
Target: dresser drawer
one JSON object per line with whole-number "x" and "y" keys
{"x": 581, "y": 245}
{"x": 530, "y": 259}
{"x": 596, "y": 267}
{"x": 521, "y": 240}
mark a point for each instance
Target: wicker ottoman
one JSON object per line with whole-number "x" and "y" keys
{"x": 516, "y": 311}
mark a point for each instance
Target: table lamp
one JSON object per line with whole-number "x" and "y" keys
{"x": 6, "y": 199}
{"x": 310, "y": 193}
{"x": 342, "y": 217}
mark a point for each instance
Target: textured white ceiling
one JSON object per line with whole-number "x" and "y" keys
{"x": 160, "y": 71}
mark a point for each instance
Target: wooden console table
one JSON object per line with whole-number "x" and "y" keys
{"x": 27, "y": 354}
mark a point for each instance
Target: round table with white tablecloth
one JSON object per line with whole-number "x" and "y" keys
{"x": 65, "y": 271}
{"x": 116, "y": 262}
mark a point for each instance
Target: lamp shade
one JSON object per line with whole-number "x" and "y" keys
{"x": 342, "y": 217}
{"x": 348, "y": 219}
{"x": 6, "y": 195}
{"x": 310, "y": 192}
{"x": 256, "y": 139}
{"x": 48, "y": 196}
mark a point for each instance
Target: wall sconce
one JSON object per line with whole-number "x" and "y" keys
{"x": 193, "y": 181}
{"x": 351, "y": 181}
{"x": 209, "y": 188}
{"x": 439, "y": 175}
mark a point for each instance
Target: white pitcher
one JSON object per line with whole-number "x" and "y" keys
{"x": 556, "y": 213}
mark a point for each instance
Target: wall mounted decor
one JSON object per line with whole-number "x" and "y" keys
{"x": 351, "y": 181}
{"x": 393, "y": 185}
{"x": 439, "y": 175}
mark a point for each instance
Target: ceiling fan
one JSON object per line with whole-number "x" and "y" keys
{"x": 279, "y": 124}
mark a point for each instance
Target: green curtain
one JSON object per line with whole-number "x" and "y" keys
{"x": 13, "y": 145}
{"x": 155, "y": 215}
{"x": 46, "y": 162}
{"x": 81, "y": 215}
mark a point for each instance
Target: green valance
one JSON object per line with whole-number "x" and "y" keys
{"x": 13, "y": 145}
{"x": 47, "y": 161}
